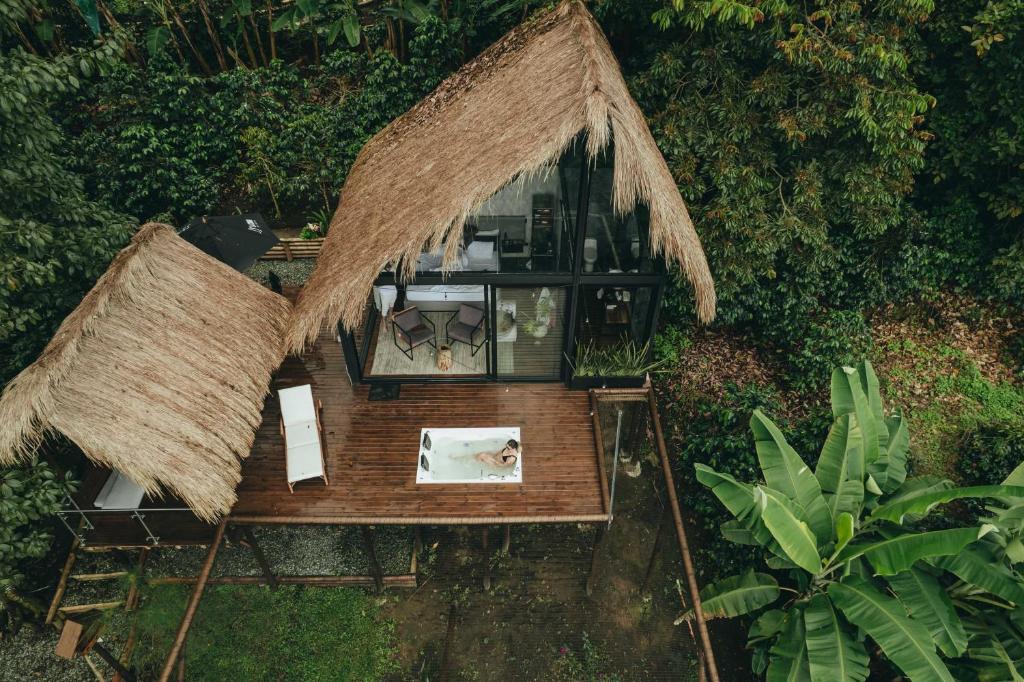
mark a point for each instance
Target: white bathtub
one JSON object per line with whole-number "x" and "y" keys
{"x": 446, "y": 456}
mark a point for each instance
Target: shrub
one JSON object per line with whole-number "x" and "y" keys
{"x": 989, "y": 454}
{"x": 813, "y": 345}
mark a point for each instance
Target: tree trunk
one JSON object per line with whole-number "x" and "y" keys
{"x": 246, "y": 42}
{"x": 270, "y": 28}
{"x": 218, "y": 49}
{"x": 188, "y": 39}
{"x": 259, "y": 40}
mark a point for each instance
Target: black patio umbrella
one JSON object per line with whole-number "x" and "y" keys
{"x": 237, "y": 240}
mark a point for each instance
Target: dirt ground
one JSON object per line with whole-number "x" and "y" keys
{"x": 537, "y": 622}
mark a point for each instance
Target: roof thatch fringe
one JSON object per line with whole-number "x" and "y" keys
{"x": 160, "y": 372}
{"x": 511, "y": 112}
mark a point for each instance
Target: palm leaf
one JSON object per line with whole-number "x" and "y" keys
{"x": 737, "y": 497}
{"x": 896, "y": 554}
{"x": 849, "y": 499}
{"x": 793, "y": 535}
{"x": 789, "y": 655}
{"x": 736, "y": 595}
{"x": 848, "y": 398}
{"x": 976, "y": 565}
{"x": 906, "y": 642}
{"x": 924, "y": 502}
{"x": 926, "y": 601}
{"x": 832, "y": 652}
{"x": 785, "y": 472}
{"x": 842, "y": 456}
{"x": 896, "y": 450}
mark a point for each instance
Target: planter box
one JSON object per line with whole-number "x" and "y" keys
{"x": 588, "y": 382}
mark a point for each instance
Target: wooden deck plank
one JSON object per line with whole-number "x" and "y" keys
{"x": 371, "y": 450}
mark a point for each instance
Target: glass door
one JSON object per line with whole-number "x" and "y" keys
{"x": 529, "y": 331}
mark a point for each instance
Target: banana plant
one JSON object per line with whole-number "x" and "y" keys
{"x": 852, "y": 573}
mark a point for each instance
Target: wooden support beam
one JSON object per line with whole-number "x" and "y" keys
{"x": 599, "y": 530}
{"x": 487, "y": 558}
{"x": 99, "y": 606}
{"x": 407, "y": 580}
{"x": 261, "y": 558}
{"x": 126, "y": 674}
{"x": 193, "y": 603}
{"x": 62, "y": 584}
{"x": 90, "y": 577}
{"x": 371, "y": 555}
{"x": 67, "y": 645}
{"x": 684, "y": 548}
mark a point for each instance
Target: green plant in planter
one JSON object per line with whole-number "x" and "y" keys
{"x": 857, "y": 570}
{"x": 625, "y": 359}
{"x": 311, "y": 231}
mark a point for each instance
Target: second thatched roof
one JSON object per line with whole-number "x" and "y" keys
{"x": 160, "y": 372}
{"x": 510, "y": 112}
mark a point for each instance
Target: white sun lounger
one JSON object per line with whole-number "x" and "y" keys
{"x": 303, "y": 435}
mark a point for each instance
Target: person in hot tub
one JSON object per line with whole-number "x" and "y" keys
{"x": 505, "y": 458}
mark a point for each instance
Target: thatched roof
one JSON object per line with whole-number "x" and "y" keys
{"x": 160, "y": 372}
{"x": 510, "y": 112}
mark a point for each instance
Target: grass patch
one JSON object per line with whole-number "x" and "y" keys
{"x": 947, "y": 398}
{"x": 254, "y": 633}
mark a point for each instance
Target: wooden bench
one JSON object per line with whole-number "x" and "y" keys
{"x": 292, "y": 248}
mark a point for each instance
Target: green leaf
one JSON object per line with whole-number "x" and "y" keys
{"x": 905, "y": 642}
{"x": 924, "y": 502}
{"x": 734, "y": 531}
{"x": 848, "y": 398}
{"x": 844, "y": 530}
{"x": 793, "y": 535}
{"x": 767, "y": 625}
{"x": 896, "y": 450}
{"x": 926, "y": 601}
{"x": 977, "y": 566}
{"x": 832, "y": 652}
{"x": 737, "y": 497}
{"x": 352, "y": 29}
{"x": 787, "y": 473}
{"x": 736, "y": 596}
{"x": 89, "y": 13}
{"x": 156, "y": 40}
{"x": 849, "y": 499}
{"x": 842, "y": 456}
{"x": 896, "y": 554}
{"x": 789, "y": 655}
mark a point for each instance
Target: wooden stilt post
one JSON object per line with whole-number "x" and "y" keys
{"x": 655, "y": 551}
{"x": 261, "y": 558}
{"x": 507, "y": 540}
{"x": 63, "y": 583}
{"x": 193, "y": 603}
{"x": 487, "y": 559}
{"x": 181, "y": 666}
{"x": 598, "y": 539}
{"x": 371, "y": 555}
{"x": 126, "y": 674}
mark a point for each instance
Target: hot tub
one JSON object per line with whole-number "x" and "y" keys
{"x": 446, "y": 456}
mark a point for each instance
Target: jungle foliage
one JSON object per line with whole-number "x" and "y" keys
{"x": 854, "y": 572}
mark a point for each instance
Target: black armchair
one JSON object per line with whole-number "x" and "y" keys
{"x": 463, "y": 325}
{"x": 411, "y": 327}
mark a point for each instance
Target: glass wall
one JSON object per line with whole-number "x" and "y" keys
{"x": 530, "y": 331}
{"x": 527, "y": 226}
{"x": 611, "y": 315}
{"x": 614, "y": 243}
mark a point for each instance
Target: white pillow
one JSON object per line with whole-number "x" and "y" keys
{"x": 480, "y": 250}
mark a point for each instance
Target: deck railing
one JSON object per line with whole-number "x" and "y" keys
{"x": 80, "y": 522}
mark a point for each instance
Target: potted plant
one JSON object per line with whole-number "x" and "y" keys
{"x": 624, "y": 365}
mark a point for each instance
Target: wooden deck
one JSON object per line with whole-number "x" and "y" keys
{"x": 371, "y": 451}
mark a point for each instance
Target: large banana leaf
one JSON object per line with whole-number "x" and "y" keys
{"x": 926, "y": 601}
{"x": 844, "y": 530}
{"x": 896, "y": 554}
{"x": 924, "y": 502}
{"x": 849, "y": 499}
{"x": 896, "y": 450}
{"x": 736, "y": 595}
{"x": 906, "y": 642}
{"x": 848, "y": 398}
{"x": 977, "y": 565}
{"x": 737, "y": 497}
{"x": 789, "y": 655}
{"x": 785, "y": 472}
{"x": 842, "y": 456}
{"x": 793, "y": 535}
{"x": 832, "y": 652}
